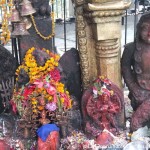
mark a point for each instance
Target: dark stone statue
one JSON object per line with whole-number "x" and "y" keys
{"x": 43, "y": 23}
{"x": 8, "y": 64}
{"x": 101, "y": 106}
{"x": 135, "y": 65}
{"x": 7, "y": 72}
{"x": 70, "y": 63}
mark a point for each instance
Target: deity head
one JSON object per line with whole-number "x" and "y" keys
{"x": 41, "y": 57}
{"x": 145, "y": 32}
{"x": 105, "y": 97}
{"x": 143, "y": 29}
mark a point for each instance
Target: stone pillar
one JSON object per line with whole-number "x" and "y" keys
{"x": 102, "y": 26}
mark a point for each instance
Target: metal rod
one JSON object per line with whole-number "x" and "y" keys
{"x": 126, "y": 20}
{"x": 76, "y": 42}
{"x": 144, "y": 6}
{"x": 65, "y": 24}
{"x": 135, "y": 18}
{"x": 19, "y": 50}
{"x": 15, "y": 48}
{"x": 53, "y": 39}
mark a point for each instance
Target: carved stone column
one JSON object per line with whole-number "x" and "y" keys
{"x": 86, "y": 44}
{"x": 100, "y": 46}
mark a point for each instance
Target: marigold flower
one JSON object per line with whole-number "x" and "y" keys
{"x": 34, "y": 110}
{"x": 62, "y": 100}
{"x": 34, "y": 102}
{"x": 52, "y": 92}
{"x": 40, "y": 107}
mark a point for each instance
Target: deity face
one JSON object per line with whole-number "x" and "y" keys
{"x": 145, "y": 32}
{"x": 105, "y": 98}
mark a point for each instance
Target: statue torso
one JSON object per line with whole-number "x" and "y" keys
{"x": 142, "y": 67}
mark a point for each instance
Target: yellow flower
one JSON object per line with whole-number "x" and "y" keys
{"x": 67, "y": 92}
{"x": 35, "y": 110}
{"x": 51, "y": 59}
{"x": 34, "y": 106}
{"x": 70, "y": 104}
{"x": 62, "y": 100}
{"x": 60, "y": 89}
{"x": 50, "y": 98}
{"x": 34, "y": 102}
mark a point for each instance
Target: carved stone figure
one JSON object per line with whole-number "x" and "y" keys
{"x": 7, "y": 72}
{"x": 101, "y": 105}
{"x": 136, "y": 72}
{"x": 8, "y": 64}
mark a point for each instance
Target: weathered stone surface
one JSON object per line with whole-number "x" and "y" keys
{"x": 70, "y": 64}
{"x": 136, "y": 72}
{"x": 7, "y": 72}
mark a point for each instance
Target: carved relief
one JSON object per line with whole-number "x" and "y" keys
{"x": 83, "y": 47}
{"x": 108, "y": 48}
{"x": 107, "y": 53}
{"x": 101, "y": 1}
{"x": 79, "y": 2}
{"x": 6, "y": 90}
{"x": 105, "y": 13}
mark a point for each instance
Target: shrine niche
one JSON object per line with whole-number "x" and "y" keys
{"x": 101, "y": 105}
{"x": 135, "y": 70}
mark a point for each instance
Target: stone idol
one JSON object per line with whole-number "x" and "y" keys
{"x": 101, "y": 105}
{"x": 136, "y": 72}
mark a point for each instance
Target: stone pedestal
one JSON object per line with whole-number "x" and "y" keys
{"x": 99, "y": 34}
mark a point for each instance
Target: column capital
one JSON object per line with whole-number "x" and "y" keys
{"x": 108, "y": 13}
{"x": 97, "y": 5}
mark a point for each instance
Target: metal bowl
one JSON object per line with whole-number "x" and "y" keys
{"x": 136, "y": 145}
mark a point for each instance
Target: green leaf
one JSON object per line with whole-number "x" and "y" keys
{"x": 59, "y": 103}
{"x": 47, "y": 78}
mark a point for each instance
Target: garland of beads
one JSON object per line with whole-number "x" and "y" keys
{"x": 5, "y": 35}
{"x": 53, "y": 26}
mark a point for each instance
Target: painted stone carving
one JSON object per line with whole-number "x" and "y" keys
{"x": 136, "y": 71}
{"x": 101, "y": 105}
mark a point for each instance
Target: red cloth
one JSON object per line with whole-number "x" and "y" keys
{"x": 3, "y": 145}
{"x": 51, "y": 143}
